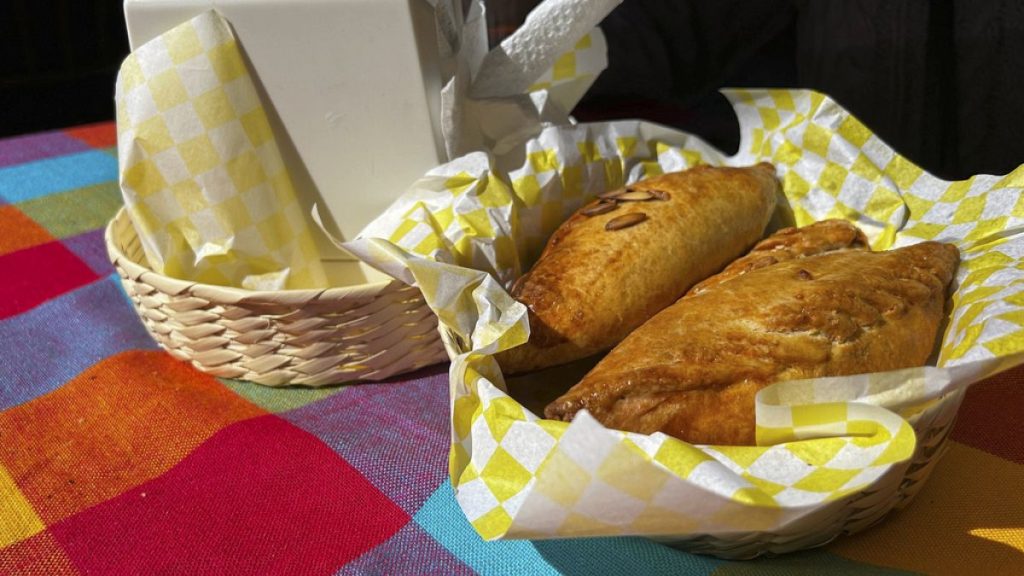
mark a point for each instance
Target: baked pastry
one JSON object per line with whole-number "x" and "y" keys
{"x": 622, "y": 258}
{"x": 790, "y": 244}
{"x": 692, "y": 371}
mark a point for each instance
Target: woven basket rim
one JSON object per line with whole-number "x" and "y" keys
{"x": 226, "y": 293}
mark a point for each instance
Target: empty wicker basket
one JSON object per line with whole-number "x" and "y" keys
{"x": 309, "y": 337}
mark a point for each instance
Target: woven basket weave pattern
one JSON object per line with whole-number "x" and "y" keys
{"x": 308, "y": 337}
{"x": 854, "y": 513}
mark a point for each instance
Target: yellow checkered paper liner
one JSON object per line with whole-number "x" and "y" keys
{"x": 469, "y": 227}
{"x": 201, "y": 174}
{"x": 573, "y": 72}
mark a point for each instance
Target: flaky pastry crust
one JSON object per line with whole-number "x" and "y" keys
{"x": 692, "y": 371}
{"x": 618, "y": 261}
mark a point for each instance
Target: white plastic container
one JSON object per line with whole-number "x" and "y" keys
{"x": 352, "y": 89}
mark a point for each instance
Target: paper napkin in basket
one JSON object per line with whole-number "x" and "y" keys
{"x": 470, "y": 227}
{"x": 202, "y": 177}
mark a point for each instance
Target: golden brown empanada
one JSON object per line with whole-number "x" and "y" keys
{"x": 692, "y": 371}
{"x": 790, "y": 244}
{"x": 619, "y": 260}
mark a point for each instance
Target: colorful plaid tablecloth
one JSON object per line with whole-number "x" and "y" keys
{"x": 116, "y": 458}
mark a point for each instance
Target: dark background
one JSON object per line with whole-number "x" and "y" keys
{"x": 941, "y": 80}
{"x": 58, "y": 61}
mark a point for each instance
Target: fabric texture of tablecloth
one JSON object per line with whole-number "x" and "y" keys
{"x": 116, "y": 458}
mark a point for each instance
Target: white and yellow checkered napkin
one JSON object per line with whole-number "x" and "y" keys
{"x": 201, "y": 174}
{"x": 468, "y": 228}
{"x": 497, "y": 99}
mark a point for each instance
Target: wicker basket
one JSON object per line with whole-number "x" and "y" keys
{"x": 855, "y": 512}
{"x": 309, "y": 337}
{"x": 372, "y": 331}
